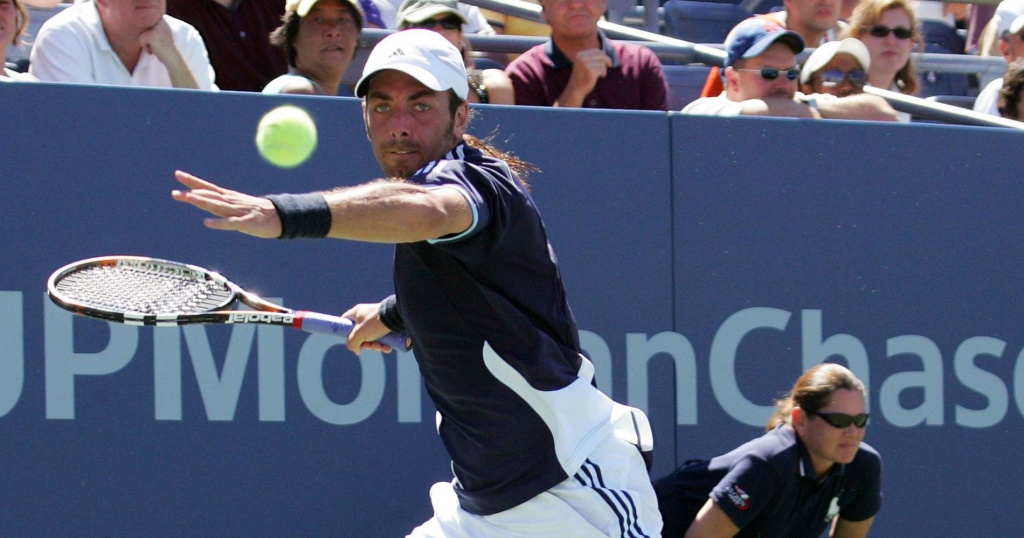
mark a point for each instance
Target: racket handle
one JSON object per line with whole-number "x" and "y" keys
{"x": 322, "y": 323}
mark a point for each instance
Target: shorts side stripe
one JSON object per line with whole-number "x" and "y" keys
{"x": 625, "y": 510}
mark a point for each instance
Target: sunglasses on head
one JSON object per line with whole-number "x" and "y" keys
{"x": 843, "y": 421}
{"x": 772, "y": 73}
{"x": 448, "y": 23}
{"x": 883, "y": 31}
{"x": 833, "y": 78}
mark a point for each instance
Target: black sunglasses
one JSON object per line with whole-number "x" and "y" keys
{"x": 843, "y": 421}
{"x": 883, "y": 31}
{"x": 772, "y": 73}
{"x": 448, "y": 23}
{"x": 833, "y": 78}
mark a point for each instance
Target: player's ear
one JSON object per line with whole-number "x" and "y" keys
{"x": 798, "y": 418}
{"x": 366, "y": 120}
{"x": 461, "y": 120}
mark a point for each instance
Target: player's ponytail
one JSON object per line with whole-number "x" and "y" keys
{"x": 519, "y": 167}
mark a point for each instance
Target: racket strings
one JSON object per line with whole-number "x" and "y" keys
{"x": 131, "y": 289}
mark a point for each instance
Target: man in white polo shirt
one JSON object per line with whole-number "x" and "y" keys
{"x": 122, "y": 43}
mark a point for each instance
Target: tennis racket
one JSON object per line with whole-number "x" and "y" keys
{"x": 137, "y": 290}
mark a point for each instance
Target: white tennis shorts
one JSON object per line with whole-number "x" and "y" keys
{"x": 611, "y": 495}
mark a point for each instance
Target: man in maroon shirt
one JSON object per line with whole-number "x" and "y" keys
{"x": 237, "y": 37}
{"x": 581, "y": 67}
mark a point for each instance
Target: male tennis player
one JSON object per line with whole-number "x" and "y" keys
{"x": 536, "y": 449}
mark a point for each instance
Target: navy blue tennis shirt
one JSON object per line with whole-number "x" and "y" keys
{"x": 496, "y": 342}
{"x": 768, "y": 488}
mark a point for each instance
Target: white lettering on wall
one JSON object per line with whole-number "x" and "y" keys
{"x": 12, "y": 350}
{"x": 913, "y": 396}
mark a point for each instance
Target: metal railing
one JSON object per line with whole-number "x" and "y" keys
{"x": 680, "y": 51}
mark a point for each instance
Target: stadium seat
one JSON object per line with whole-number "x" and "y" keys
{"x": 684, "y": 84}
{"x": 941, "y": 37}
{"x": 939, "y": 83}
{"x": 702, "y": 22}
{"x": 765, "y": 6}
{"x": 483, "y": 62}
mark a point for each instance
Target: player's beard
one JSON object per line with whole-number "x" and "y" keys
{"x": 404, "y": 170}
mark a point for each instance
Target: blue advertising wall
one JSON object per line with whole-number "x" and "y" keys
{"x": 708, "y": 262}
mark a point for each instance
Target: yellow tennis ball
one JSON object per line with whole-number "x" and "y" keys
{"x": 286, "y": 136}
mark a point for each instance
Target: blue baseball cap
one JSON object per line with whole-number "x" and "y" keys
{"x": 753, "y": 36}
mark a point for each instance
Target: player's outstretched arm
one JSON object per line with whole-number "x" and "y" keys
{"x": 235, "y": 211}
{"x": 388, "y": 211}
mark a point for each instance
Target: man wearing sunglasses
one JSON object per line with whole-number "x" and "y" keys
{"x": 760, "y": 73}
{"x": 810, "y": 472}
{"x": 817, "y": 22}
{"x": 761, "y": 77}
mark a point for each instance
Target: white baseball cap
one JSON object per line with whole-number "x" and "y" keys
{"x": 1006, "y": 13}
{"x": 1016, "y": 26}
{"x": 422, "y": 54}
{"x": 302, "y": 7}
{"x": 824, "y": 54}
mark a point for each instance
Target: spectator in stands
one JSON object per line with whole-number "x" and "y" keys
{"x": 889, "y": 30}
{"x": 838, "y": 68}
{"x": 13, "y": 21}
{"x": 1005, "y": 12}
{"x": 1011, "y": 45}
{"x": 476, "y": 22}
{"x": 442, "y": 16}
{"x": 581, "y": 67}
{"x": 319, "y": 38}
{"x": 237, "y": 37}
{"x": 115, "y": 42}
{"x": 761, "y": 80}
{"x": 809, "y": 472}
{"x": 816, "y": 21}
{"x": 1010, "y": 94}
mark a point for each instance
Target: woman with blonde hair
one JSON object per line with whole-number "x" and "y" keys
{"x": 890, "y": 31}
{"x": 808, "y": 472}
{"x": 13, "y": 21}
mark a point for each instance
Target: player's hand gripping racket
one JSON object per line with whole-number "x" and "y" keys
{"x": 146, "y": 291}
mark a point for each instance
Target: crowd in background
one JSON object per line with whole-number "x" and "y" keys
{"x": 307, "y": 46}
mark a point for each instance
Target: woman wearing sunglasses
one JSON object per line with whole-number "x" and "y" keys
{"x": 491, "y": 86}
{"x": 810, "y": 472}
{"x": 889, "y": 30}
